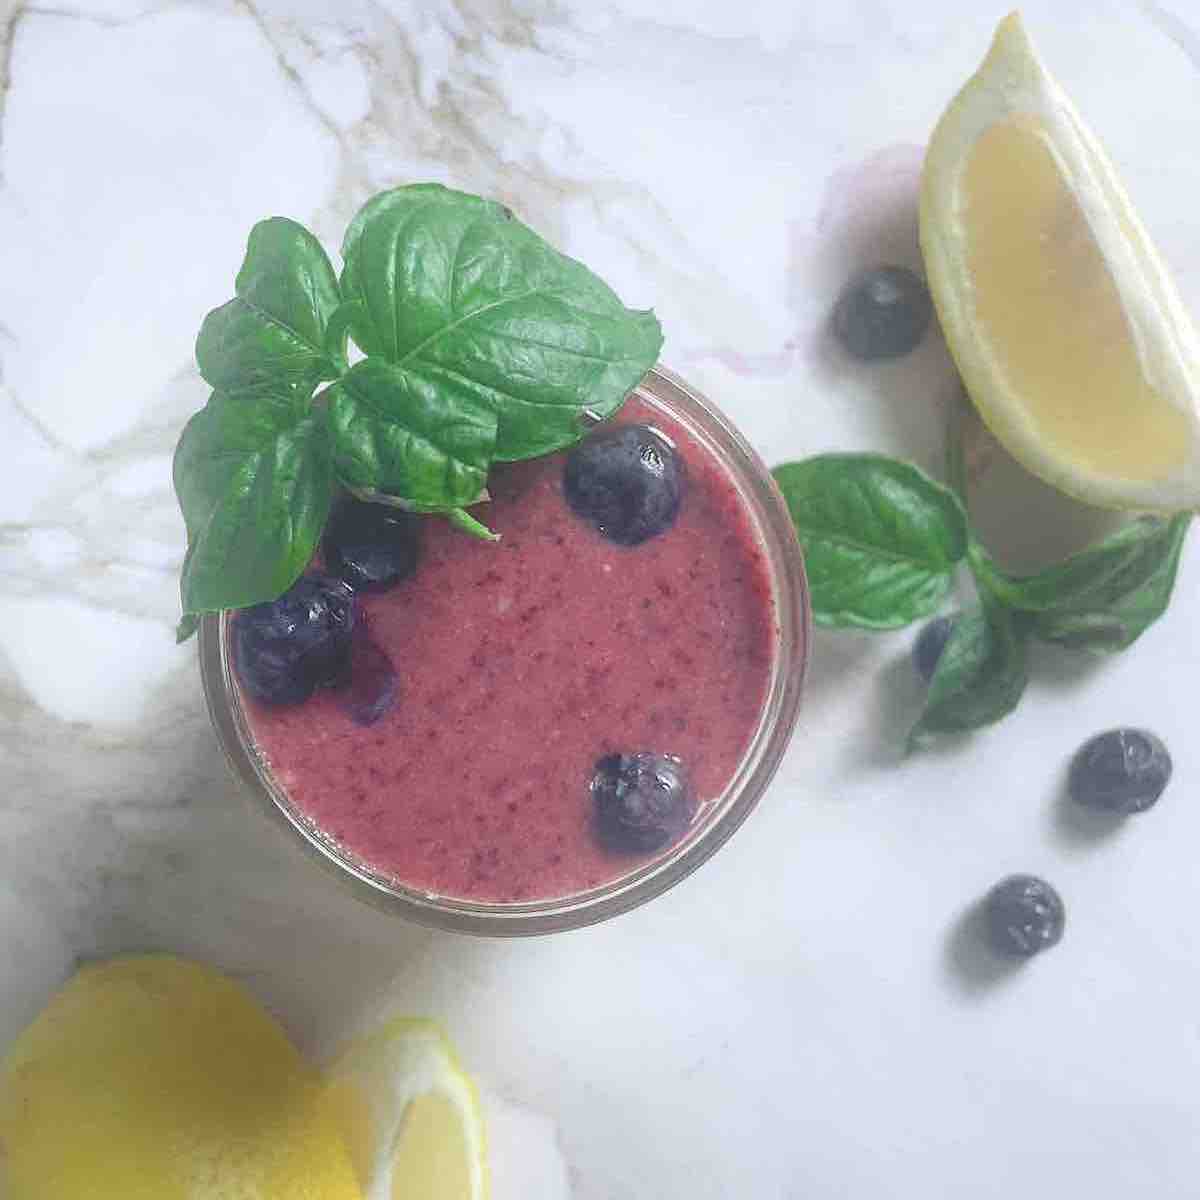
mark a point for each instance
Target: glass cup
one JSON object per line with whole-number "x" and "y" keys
{"x": 713, "y": 824}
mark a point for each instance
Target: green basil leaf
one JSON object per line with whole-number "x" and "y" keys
{"x": 188, "y": 624}
{"x": 1087, "y": 631}
{"x": 458, "y": 517}
{"x": 474, "y": 307}
{"x": 254, "y": 481}
{"x": 274, "y": 331}
{"x": 394, "y": 431}
{"x": 337, "y": 335}
{"x": 462, "y": 520}
{"x": 881, "y": 539}
{"x": 1103, "y": 598}
{"x": 980, "y": 676}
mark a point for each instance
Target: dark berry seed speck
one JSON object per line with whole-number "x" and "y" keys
{"x": 627, "y": 480}
{"x": 1025, "y": 915}
{"x": 1123, "y": 771}
{"x": 882, "y": 313}
{"x": 642, "y": 801}
{"x": 371, "y": 546}
{"x": 931, "y": 641}
{"x": 288, "y": 647}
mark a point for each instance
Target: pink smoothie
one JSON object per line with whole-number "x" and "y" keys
{"x": 522, "y": 663}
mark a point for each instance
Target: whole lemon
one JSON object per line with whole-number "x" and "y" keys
{"x": 154, "y": 1078}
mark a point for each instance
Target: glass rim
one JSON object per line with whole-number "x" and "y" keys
{"x": 718, "y": 821}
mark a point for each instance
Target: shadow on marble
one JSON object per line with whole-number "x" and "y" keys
{"x": 836, "y": 663}
{"x": 1074, "y": 826}
{"x": 905, "y": 401}
{"x": 971, "y": 967}
{"x": 869, "y": 218}
{"x": 1055, "y": 668}
{"x": 41, "y": 956}
{"x": 1026, "y": 524}
{"x": 842, "y": 662}
{"x": 144, "y": 842}
{"x": 896, "y": 702}
{"x": 897, "y": 695}
{"x": 231, "y": 890}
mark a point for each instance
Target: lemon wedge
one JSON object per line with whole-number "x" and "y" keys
{"x": 410, "y": 1116}
{"x": 1068, "y": 332}
{"x": 155, "y": 1078}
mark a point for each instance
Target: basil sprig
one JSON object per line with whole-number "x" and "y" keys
{"x": 482, "y": 344}
{"x": 1103, "y": 598}
{"x": 883, "y": 543}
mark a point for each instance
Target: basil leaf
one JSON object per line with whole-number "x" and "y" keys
{"x": 394, "y": 431}
{"x": 274, "y": 332}
{"x": 881, "y": 539}
{"x": 462, "y": 520}
{"x": 188, "y": 624}
{"x": 1103, "y": 598}
{"x": 474, "y": 307}
{"x": 980, "y": 676}
{"x": 254, "y": 481}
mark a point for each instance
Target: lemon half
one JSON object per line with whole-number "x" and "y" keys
{"x": 1069, "y": 334}
{"x": 410, "y": 1115}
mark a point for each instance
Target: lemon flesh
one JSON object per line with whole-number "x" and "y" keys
{"x": 1046, "y": 302}
{"x": 410, "y": 1116}
{"x": 1066, "y": 328}
{"x": 154, "y": 1078}
{"x": 433, "y": 1157}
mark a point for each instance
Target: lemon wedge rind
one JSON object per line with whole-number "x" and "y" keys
{"x": 378, "y": 1083}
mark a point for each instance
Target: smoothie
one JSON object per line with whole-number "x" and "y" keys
{"x": 522, "y": 665}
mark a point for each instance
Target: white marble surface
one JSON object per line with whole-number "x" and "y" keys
{"x": 804, "y": 1017}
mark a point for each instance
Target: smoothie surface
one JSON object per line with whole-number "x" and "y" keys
{"x": 523, "y": 662}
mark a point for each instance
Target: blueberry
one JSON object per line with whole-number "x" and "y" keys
{"x": 627, "y": 480}
{"x": 373, "y": 686}
{"x": 642, "y": 801}
{"x": 1122, "y": 771}
{"x": 288, "y": 647}
{"x": 371, "y": 546}
{"x": 930, "y": 643}
{"x": 882, "y": 313}
{"x": 1024, "y": 916}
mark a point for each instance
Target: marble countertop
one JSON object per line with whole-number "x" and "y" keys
{"x": 805, "y": 1016}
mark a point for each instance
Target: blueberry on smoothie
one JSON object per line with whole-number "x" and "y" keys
{"x": 1123, "y": 771}
{"x": 931, "y": 641}
{"x": 371, "y": 546}
{"x": 882, "y": 313}
{"x": 627, "y": 480}
{"x": 373, "y": 686}
{"x": 288, "y": 647}
{"x": 642, "y": 801}
{"x": 1025, "y": 915}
